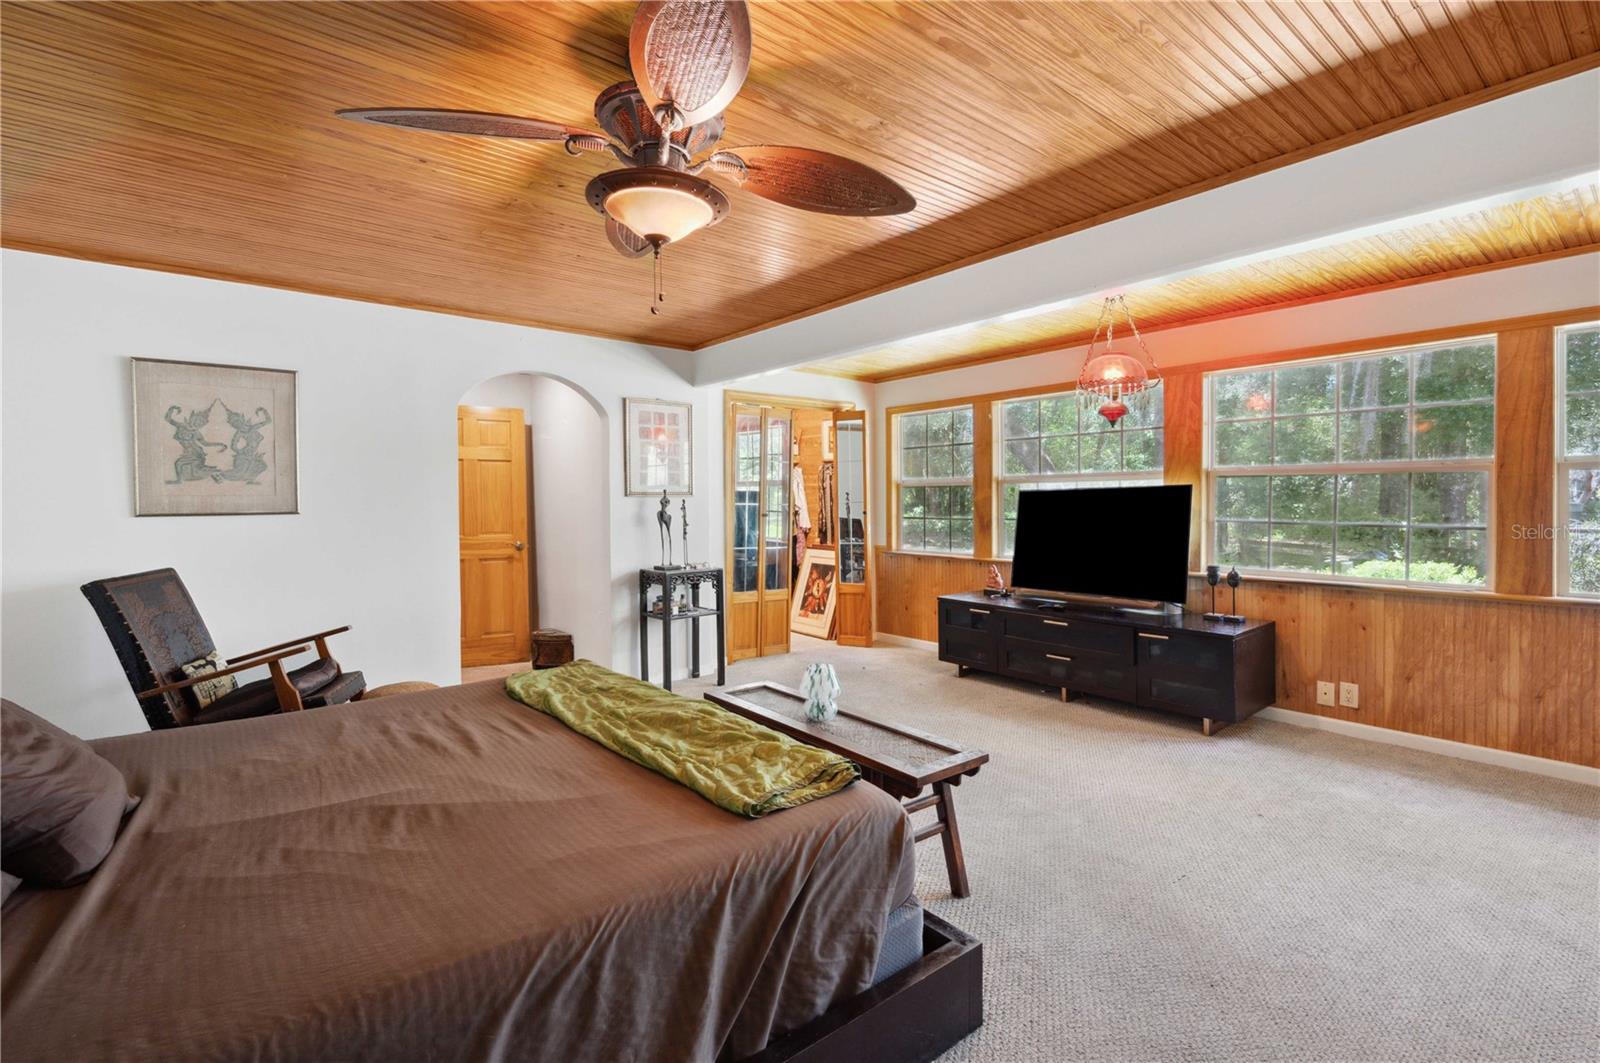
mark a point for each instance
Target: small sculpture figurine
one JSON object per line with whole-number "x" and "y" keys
{"x": 821, "y": 689}
{"x": 995, "y": 585}
{"x": 683, "y": 517}
{"x": 1213, "y": 577}
{"x": 664, "y": 518}
{"x": 1233, "y": 582}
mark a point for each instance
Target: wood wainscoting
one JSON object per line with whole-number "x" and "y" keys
{"x": 1492, "y": 671}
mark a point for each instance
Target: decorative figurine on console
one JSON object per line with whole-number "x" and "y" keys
{"x": 664, "y": 519}
{"x": 995, "y": 585}
{"x": 1233, "y": 582}
{"x": 1213, "y": 577}
{"x": 683, "y": 519}
{"x": 821, "y": 689}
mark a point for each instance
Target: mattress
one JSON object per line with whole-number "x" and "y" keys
{"x": 902, "y": 941}
{"x": 447, "y": 875}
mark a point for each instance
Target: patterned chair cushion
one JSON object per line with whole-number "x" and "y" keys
{"x": 209, "y": 690}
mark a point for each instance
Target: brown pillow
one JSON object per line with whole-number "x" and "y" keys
{"x": 60, "y": 801}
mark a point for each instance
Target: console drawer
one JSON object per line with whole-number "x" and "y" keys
{"x": 973, "y": 648}
{"x": 1197, "y": 696}
{"x": 1182, "y": 655}
{"x": 1079, "y": 636}
{"x": 1058, "y": 667}
{"x": 967, "y": 617}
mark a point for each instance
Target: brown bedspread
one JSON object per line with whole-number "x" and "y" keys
{"x": 445, "y": 875}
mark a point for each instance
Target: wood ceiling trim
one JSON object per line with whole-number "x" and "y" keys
{"x": 1062, "y": 343}
{"x": 1345, "y": 140}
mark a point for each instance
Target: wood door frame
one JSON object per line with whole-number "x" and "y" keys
{"x": 731, "y": 399}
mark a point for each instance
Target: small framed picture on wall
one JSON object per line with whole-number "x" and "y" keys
{"x": 658, "y": 447}
{"x": 212, "y": 440}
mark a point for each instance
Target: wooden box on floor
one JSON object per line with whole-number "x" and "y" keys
{"x": 912, "y": 1017}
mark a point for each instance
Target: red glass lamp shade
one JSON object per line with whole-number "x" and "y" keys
{"x": 1113, "y": 377}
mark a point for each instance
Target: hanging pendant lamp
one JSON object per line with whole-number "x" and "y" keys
{"x": 1112, "y": 376}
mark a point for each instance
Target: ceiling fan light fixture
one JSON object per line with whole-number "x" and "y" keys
{"x": 657, "y": 204}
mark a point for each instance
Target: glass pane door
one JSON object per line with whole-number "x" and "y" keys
{"x": 776, "y": 520}
{"x": 746, "y": 498}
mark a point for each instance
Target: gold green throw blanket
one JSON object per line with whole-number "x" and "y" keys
{"x": 732, "y": 762}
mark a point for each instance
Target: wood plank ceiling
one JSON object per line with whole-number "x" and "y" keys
{"x": 200, "y": 137}
{"x": 1548, "y": 226}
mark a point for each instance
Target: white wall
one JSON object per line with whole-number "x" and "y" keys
{"x": 571, "y": 555}
{"x": 375, "y": 543}
{"x": 1539, "y": 288}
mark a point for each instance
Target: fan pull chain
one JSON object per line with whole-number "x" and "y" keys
{"x": 659, "y": 293}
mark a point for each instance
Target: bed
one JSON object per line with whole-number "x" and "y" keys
{"x": 444, "y": 875}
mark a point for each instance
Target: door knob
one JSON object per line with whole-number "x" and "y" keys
{"x": 518, "y": 544}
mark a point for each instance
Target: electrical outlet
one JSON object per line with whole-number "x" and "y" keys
{"x": 1349, "y": 695}
{"x": 1324, "y": 693}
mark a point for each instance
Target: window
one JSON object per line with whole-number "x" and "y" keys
{"x": 1578, "y": 454}
{"x": 935, "y": 480}
{"x": 1052, "y": 442}
{"x": 1369, "y": 467}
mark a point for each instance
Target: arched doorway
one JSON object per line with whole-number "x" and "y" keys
{"x": 566, "y": 575}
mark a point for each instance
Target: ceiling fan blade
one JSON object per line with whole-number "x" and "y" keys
{"x": 690, "y": 53}
{"x": 627, "y": 243}
{"x": 470, "y": 123}
{"x": 819, "y": 181}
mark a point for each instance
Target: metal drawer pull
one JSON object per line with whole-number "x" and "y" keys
{"x": 1058, "y": 623}
{"x": 1057, "y": 657}
{"x": 985, "y": 612}
{"x": 1147, "y": 635}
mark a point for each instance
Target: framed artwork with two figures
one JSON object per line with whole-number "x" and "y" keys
{"x": 212, "y": 440}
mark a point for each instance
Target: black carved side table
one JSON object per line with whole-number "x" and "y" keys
{"x": 669, "y": 580}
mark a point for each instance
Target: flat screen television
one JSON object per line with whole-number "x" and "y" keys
{"x": 1110, "y": 542}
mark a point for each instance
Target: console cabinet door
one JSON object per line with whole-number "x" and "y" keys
{"x": 968, "y": 634}
{"x": 1185, "y": 673}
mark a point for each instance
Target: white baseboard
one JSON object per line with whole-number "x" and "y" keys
{"x": 1556, "y": 769}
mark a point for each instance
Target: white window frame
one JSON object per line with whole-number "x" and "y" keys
{"x": 1565, "y": 463}
{"x": 1067, "y": 480}
{"x": 1214, "y": 472}
{"x": 900, "y": 480}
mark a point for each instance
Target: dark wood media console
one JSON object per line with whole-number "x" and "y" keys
{"x": 1215, "y": 671}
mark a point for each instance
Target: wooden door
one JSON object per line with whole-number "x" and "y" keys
{"x": 853, "y": 611}
{"x": 494, "y": 536}
{"x": 759, "y": 523}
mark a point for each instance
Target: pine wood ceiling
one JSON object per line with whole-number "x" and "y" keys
{"x": 200, "y": 137}
{"x": 1548, "y": 226}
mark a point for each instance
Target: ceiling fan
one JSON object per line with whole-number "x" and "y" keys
{"x": 689, "y": 59}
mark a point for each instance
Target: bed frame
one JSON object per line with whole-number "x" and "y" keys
{"x": 911, "y": 1017}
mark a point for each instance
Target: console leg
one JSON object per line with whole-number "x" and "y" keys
{"x": 1066, "y": 695}
{"x": 961, "y": 670}
{"x": 1209, "y": 727}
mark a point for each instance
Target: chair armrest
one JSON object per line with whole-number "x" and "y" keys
{"x": 320, "y": 638}
{"x": 183, "y": 684}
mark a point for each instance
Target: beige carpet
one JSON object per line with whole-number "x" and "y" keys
{"x": 1144, "y": 893}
